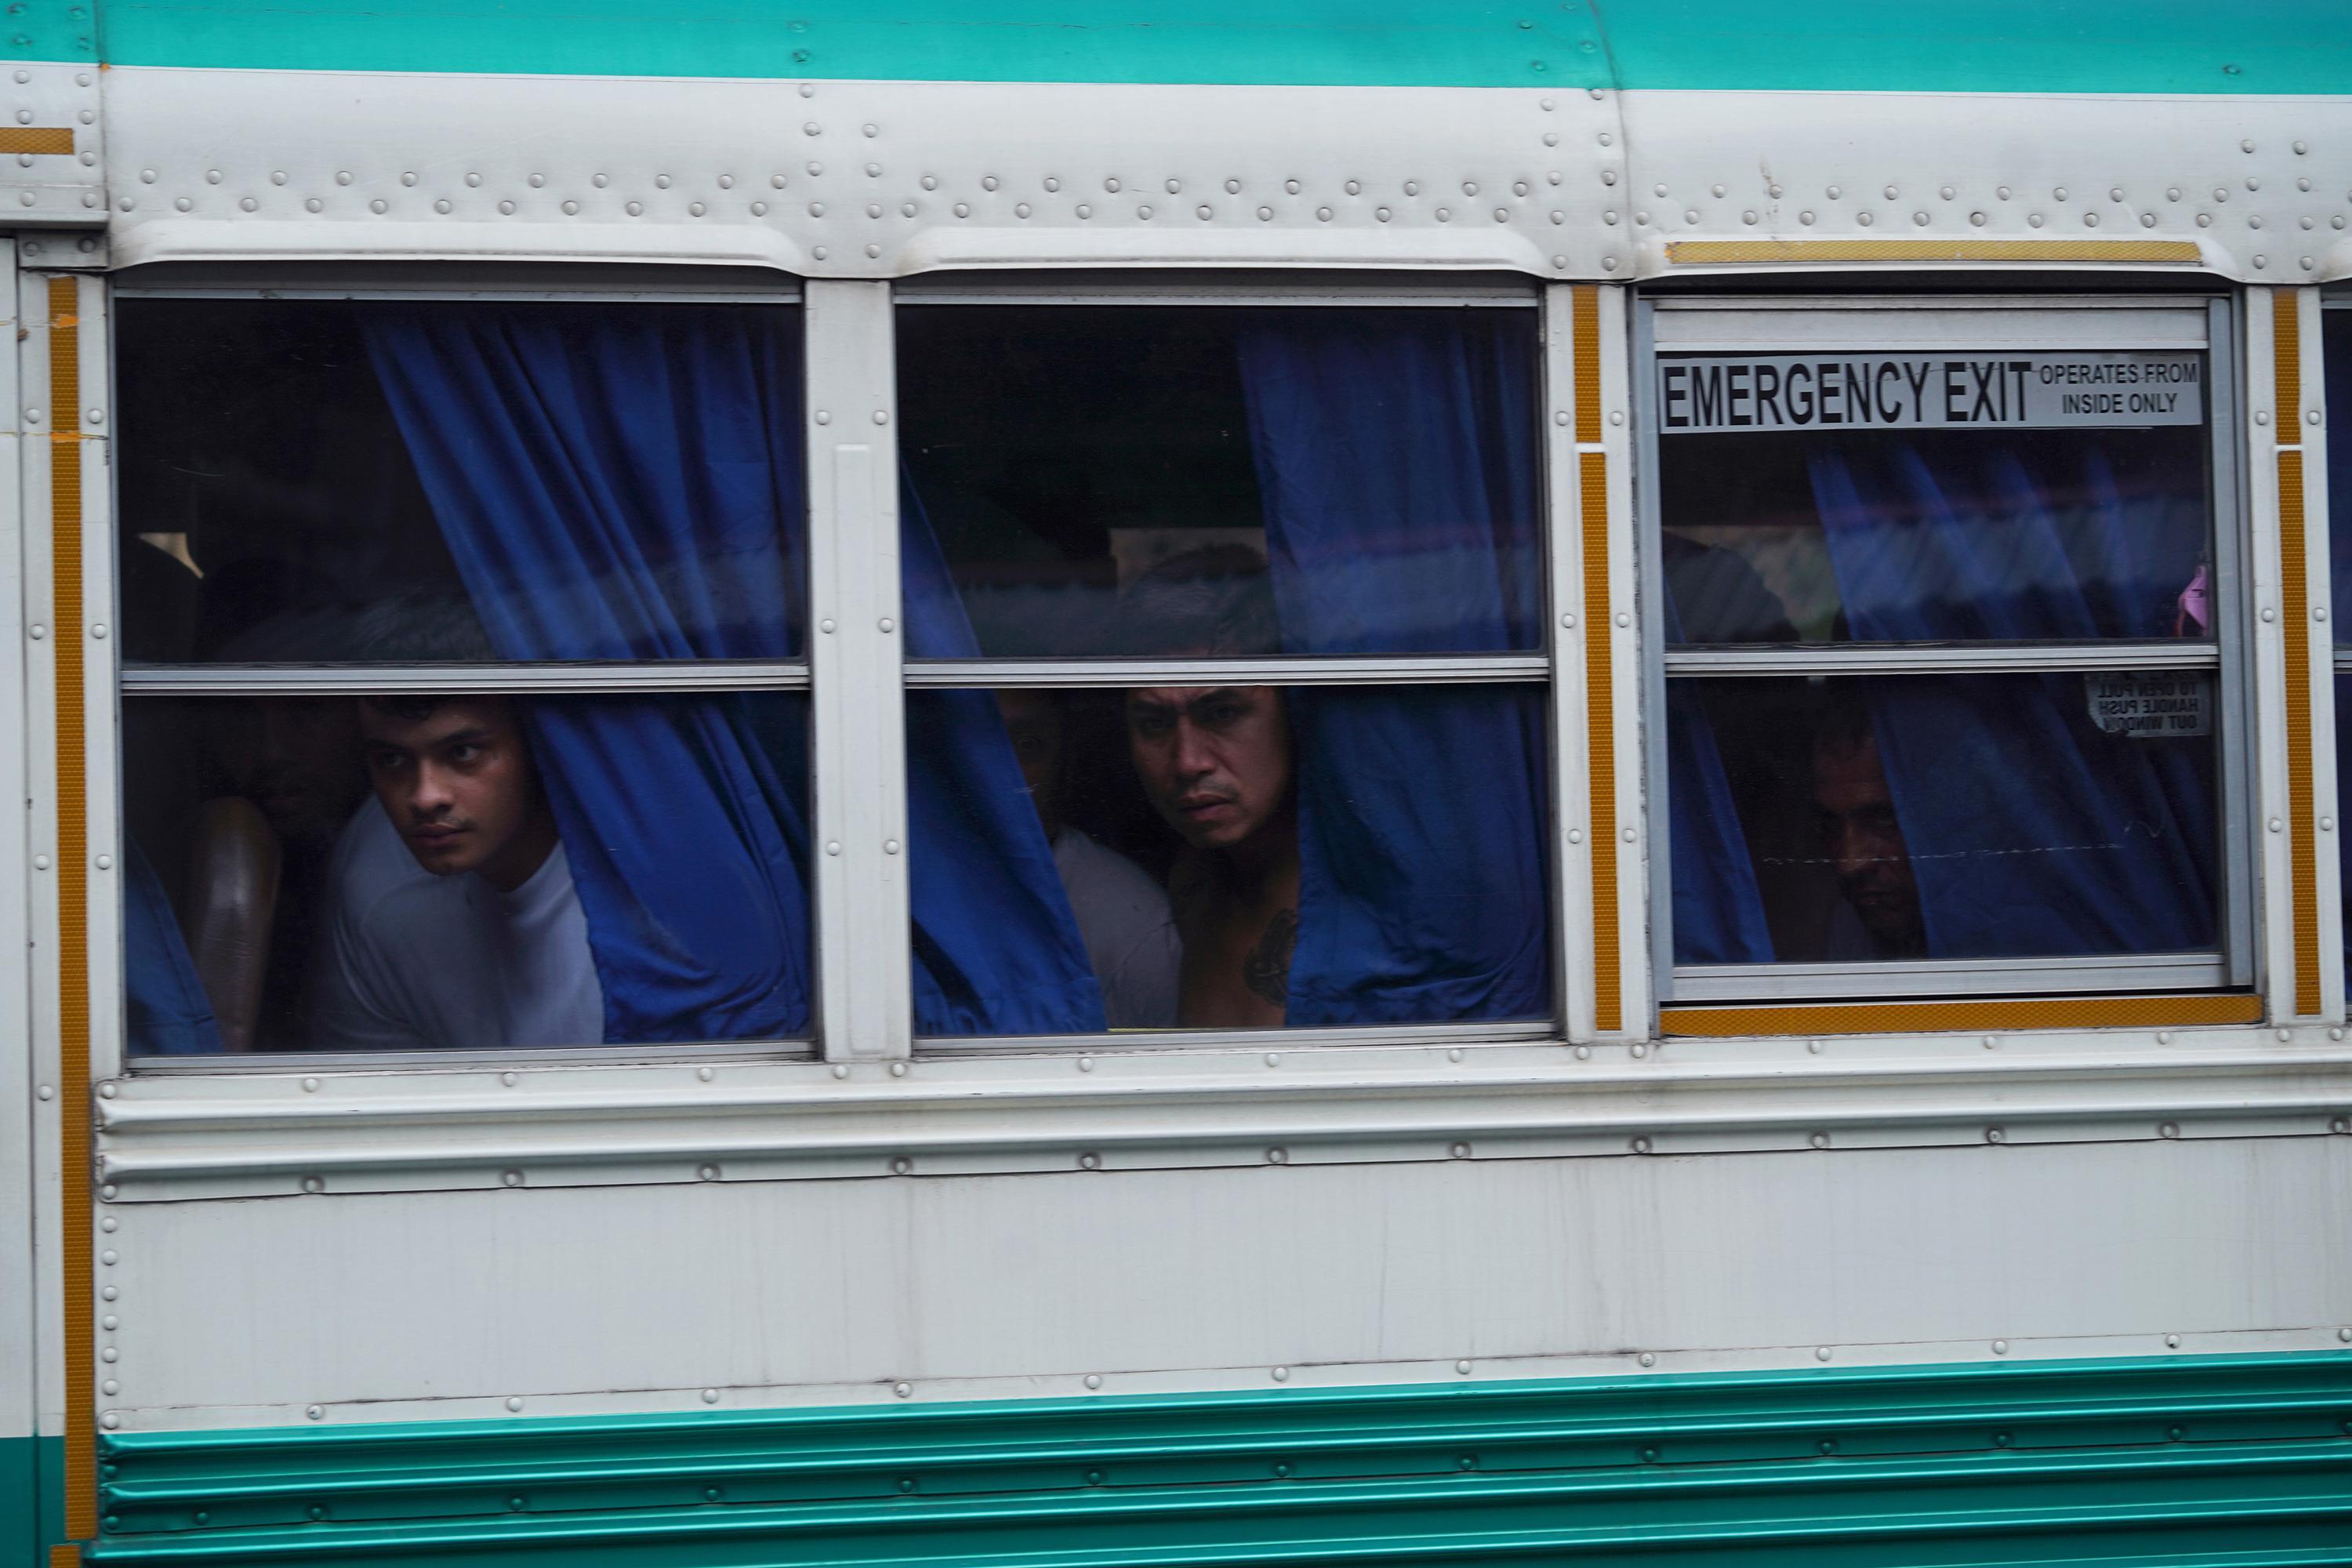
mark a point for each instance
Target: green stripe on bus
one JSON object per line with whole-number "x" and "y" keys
{"x": 2011, "y": 46}
{"x": 2224, "y": 1460}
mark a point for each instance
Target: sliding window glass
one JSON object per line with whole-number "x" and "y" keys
{"x": 1225, "y": 628}
{"x": 464, "y": 695}
{"x": 1950, "y": 684}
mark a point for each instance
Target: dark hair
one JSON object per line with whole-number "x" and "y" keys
{"x": 1216, "y": 600}
{"x": 420, "y": 627}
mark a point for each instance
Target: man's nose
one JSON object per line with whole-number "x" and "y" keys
{"x": 429, "y": 794}
{"x": 1192, "y": 755}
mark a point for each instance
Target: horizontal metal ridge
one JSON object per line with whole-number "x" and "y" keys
{"x": 2109, "y": 1496}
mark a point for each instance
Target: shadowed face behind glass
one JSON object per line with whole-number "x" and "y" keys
{"x": 1863, "y": 838}
{"x": 1215, "y": 760}
{"x": 455, "y": 779}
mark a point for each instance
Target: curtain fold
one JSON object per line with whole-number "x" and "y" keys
{"x": 1397, "y": 474}
{"x": 165, "y": 1010}
{"x": 996, "y": 948}
{"x": 2031, "y": 831}
{"x": 1718, "y": 911}
{"x": 628, "y": 487}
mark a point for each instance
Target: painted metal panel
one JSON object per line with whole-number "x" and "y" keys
{"x": 2170, "y": 45}
{"x": 2021, "y": 1462}
{"x": 54, "y": 143}
{"x": 874, "y": 179}
{"x": 518, "y": 1300}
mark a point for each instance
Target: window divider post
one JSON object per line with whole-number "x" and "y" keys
{"x": 864, "y": 963}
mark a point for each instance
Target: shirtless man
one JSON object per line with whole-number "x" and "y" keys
{"x": 1215, "y": 763}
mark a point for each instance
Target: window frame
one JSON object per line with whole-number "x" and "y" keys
{"x": 454, "y": 286}
{"x": 1539, "y": 666}
{"x": 1926, "y": 324}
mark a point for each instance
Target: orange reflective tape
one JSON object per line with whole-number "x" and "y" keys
{"x": 2303, "y": 855}
{"x": 2286, "y": 368}
{"x": 1585, "y": 320}
{"x": 1600, "y": 726}
{"x": 65, "y": 1557}
{"x": 1687, "y": 252}
{"x": 1961, "y": 1017}
{"x": 37, "y": 139}
{"x": 74, "y": 1250}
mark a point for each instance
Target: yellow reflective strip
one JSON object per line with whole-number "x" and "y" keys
{"x": 1600, "y": 723}
{"x": 1600, "y": 715}
{"x": 1692, "y": 252}
{"x": 2303, "y": 858}
{"x": 37, "y": 139}
{"x": 2286, "y": 368}
{"x": 65, "y": 1557}
{"x": 1923, "y": 1017}
{"x": 74, "y": 1251}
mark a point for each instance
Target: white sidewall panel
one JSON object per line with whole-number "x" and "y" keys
{"x": 237, "y": 1311}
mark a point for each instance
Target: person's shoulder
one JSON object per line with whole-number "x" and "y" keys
{"x": 1082, "y": 859}
{"x": 372, "y": 870}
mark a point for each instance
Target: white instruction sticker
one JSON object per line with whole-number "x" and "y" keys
{"x": 2150, "y": 706}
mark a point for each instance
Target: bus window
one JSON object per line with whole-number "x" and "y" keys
{"x": 464, "y": 870}
{"x": 402, "y": 583}
{"x": 1142, "y": 796}
{"x": 1947, "y": 664}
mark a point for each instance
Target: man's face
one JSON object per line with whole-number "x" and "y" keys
{"x": 1033, "y": 720}
{"x": 457, "y": 783}
{"x": 1215, "y": 760}
{"x": 1864, "y": 841}
{"x": 297, "y": 758}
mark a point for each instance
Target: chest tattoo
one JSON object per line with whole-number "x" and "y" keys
{"x": 1267, "y": 968}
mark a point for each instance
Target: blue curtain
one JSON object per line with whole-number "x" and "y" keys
{"x": 997, "y": 951}
{"x": 1718, "y": 911}
{"x": 167, "y": 1012}
{"x": 1398, "y": 471}
{"x": 627, "y": 486}
{"x": 2031, "y": 831}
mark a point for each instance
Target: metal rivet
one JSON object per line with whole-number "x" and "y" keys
{"x": 1568, "y": 621}
{"x": 314, "y": 1413}
{"x": 99, "y": 632}
{"x": 833, "y": 846}
{"x": 1273, "y": 1059}
{"x": 513, "y": 1405}
{"x": 1995, "y": 1135}
{"x": 887, "y": 624}
{"x": 2168, "y": 1130}
{"x": 840, "y": 1069}
{"x": 1278, "y": 1156}
{"x": 313, "y": 1184}
{"x": 1626, "y": 834}
{"x": 105, "y": 1090}
{"x": 2172, "y": 1341}
{"x": 1576, "y": 836}
{"x": 1813, "y": 1046}
{"x": 39, "y": 631}
{"x": 47, "y": 1091}
{"x": 1462, "y": 1367}
{"x": 2269, "y": 614}
{"x": 1821, "y": 1353}
{"x": 705, "y": 1172}
{"x": 1584, "y": 1053}
{"x": 1090, "y": 1162}
{"x": 1820, "y": 1140}
{"x": 1455, "y": 1055}
{"x": 1086, "y": 1064}
{"x": 2277, "y": 825}
{"x": 2001, "y": 1347}
{"x": 511, "y": 1178}
{"x": 1616, "y": 416}
{"x": 1094, "y": 1380}
{"x": 1282, "y": 1374}
{"x": 2284, "y": 1035}
{"x": 1648, "y": 1359}
{"x": 1641, "y": 1145}
{"x": 1460, "y": 1151}
{"x": 897, "y": 1069}
{"x": 881, "y": 417}
{"x": 823, "y": 417}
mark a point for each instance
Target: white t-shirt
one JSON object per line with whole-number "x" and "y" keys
{"x": 416, "y": 962}
{"x": 1130, "y": 933}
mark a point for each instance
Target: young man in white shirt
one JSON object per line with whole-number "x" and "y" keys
{"x": 456, "y": 924}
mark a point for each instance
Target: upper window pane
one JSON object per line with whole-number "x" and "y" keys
{"x": 1380, "y": 466}
{"x": 2336, "y": 338}
{"x": 1927, "y": 498}
{"x": 331, "y": 481}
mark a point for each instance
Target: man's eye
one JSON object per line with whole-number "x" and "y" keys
{"x": 465, "y": 753}
{"x": 1148, "y": 724}
{"x": 383, "y": 762}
